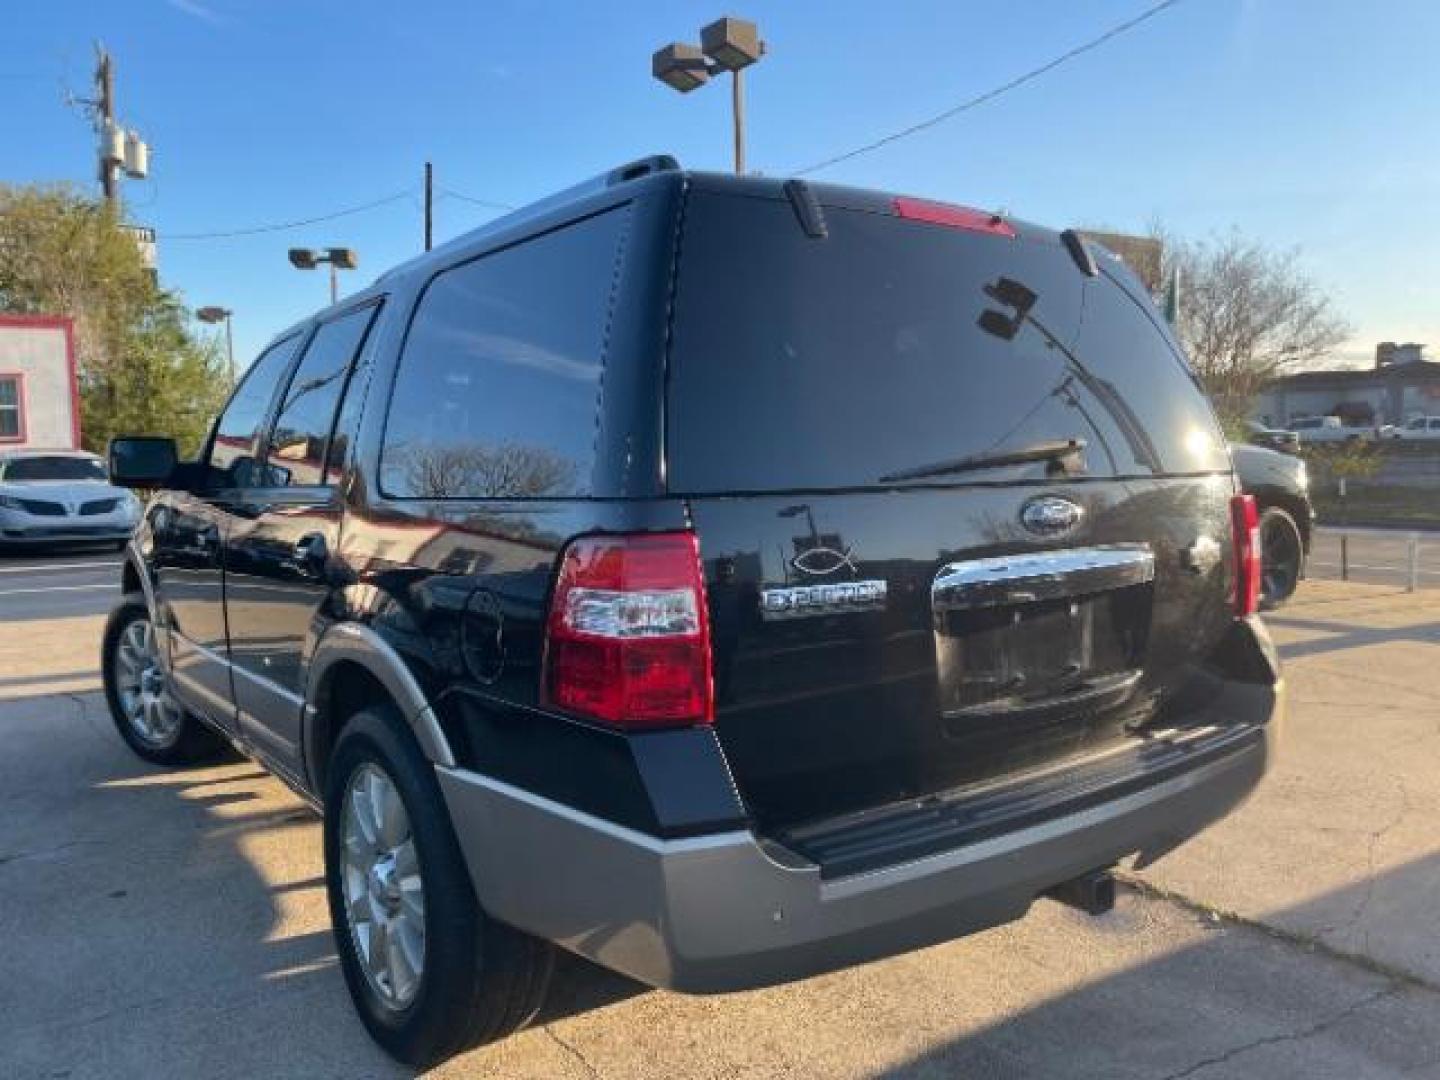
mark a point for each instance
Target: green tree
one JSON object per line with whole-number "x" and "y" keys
{"x": 140, "y": 368}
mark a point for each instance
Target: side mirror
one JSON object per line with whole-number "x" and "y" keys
{"x": 142, "y": 461}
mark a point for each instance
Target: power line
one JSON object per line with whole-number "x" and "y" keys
{"x": 991, "y": 95}
{"x": 471, "y": 199}
{"x": 284, "y": 225}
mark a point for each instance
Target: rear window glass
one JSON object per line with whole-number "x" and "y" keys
{"x": 803, "y": 363}
{"x": 499, "y": 381}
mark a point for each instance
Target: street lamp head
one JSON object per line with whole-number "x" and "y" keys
{"x": 212, "y": 314}
{"x": 343, "y": 258}
{"x": 732, "y": 43}
{"x": 304, "y": 258}
{"x": 681, "y": 67}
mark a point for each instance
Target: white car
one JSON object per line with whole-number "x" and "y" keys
{"x": 1327, "y": 429}
{"x": 49, "y": 495}
{"x": 1417, "y": 427}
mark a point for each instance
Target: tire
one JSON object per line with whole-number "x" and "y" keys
{"x": 1282, "y": 557}
{"x": 161, "y": 731}
{"x": 478, "y": 980}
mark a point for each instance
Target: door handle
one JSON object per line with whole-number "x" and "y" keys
{"x": 310, "y": 554}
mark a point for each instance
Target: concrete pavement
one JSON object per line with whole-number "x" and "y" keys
{"x": 1348, "y": 824}
{"x": 173, "y": 924}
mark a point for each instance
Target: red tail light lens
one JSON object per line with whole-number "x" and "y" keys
{"x": 1245, "y": 527}
{"x": 628, "y": 638}
{"x": 954, "y": 217}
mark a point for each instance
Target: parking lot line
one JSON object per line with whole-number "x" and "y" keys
{"x": 58, "y": 588}
{"x": 35, "y": 568}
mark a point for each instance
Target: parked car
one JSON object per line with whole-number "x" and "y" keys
{"x": 64, "y": 495}
{"x": 1327, "y": 429}
{"x": 1287, "y": 442}
{"x": 1417, "y": 428}
{"x": 725, "y": 579}
{"x": 1280, "y": 485}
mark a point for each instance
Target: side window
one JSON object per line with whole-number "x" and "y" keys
{"x": 499, "y": 380}
{"x": 232, "y": 451}
{"x": 348, "y": 420}
{"x": 296, "y": 448}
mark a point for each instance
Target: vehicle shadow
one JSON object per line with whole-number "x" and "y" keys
{"x": 173, "y": 924}
{"x": 176, "y": 920}
{"x": 168, "y": 923}
{"x": 1339, "y": 635}
{"x": 1232, "y": 999}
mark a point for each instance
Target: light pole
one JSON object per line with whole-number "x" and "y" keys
{"x": 338, "y": 258}
{"x": 220, "y": 314}
{"x": 727, "y": 44}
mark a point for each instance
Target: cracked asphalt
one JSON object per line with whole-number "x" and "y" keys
{"x": 173, "y": 924}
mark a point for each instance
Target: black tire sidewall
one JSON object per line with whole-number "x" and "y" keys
{"x": 1273, "y": 514}
{"x": 429, "y": 1027}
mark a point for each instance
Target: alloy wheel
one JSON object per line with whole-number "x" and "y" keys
{"x": 384, "y": 891}
{"x": 141, "y": 686}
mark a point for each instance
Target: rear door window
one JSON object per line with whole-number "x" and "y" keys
{"x": 499, "y": 379}
{"x": 801, "y": 363}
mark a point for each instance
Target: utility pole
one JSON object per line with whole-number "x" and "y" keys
{"x": 429, "y": 203}
{"x": 120, "y": 151}
{"x": 105, "y": 87}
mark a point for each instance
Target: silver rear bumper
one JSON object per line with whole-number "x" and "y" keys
{"x": 730, "y": 911}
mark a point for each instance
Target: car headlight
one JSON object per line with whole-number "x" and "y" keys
{"x": 1302, "y": 477}
{"x": 9, "y": 502}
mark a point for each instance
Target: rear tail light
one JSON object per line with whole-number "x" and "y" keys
{"x": 1245, "y": 527}
{"x": 954, "y": 217}
{"x": 628, "y": 637}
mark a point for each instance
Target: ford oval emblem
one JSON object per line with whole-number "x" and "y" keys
{"x": 1051, "y": 516}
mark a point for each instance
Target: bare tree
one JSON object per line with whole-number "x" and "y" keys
{"x": 478, "y": 471}
{"x": 1247, "y": 314}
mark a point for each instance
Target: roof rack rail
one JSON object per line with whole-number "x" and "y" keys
{"x": 645, "y": 166}
{"x": 623, "y": 174}
{"x": 634, "y": 170}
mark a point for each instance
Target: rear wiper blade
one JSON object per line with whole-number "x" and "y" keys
{"x": 1064, "y": 453}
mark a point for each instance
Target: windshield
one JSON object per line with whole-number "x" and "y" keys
{"x": 53, "y": 468}
{"x": 892, "y": 345}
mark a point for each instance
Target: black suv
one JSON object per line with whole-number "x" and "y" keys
{"x": 726, "y": 579}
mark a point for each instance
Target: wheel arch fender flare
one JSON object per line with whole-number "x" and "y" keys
{"x": 135, "y": 564}
{"x": 356, "y": 644}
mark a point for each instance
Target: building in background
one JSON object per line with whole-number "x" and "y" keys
{"x": 39, "y": 394}
{"x": 1388, "y": 353}
{"x": 1403, "y": 384}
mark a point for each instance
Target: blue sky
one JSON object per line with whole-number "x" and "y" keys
{"x": 1305, "y": 123}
